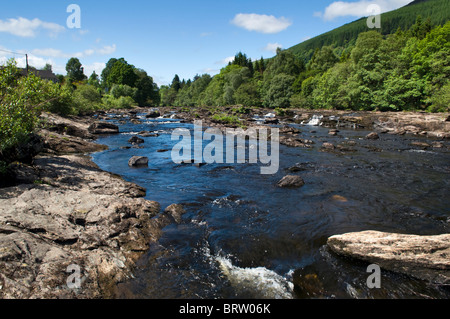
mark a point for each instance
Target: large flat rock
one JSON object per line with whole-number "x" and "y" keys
{"x": 76, "y": 214}
{"x": 423, "y": 257}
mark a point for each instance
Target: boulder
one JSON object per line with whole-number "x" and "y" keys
{"x": 135, "y": 140}
{"x": 153, "y": 115}
{"x": 137, "y": 161}
{"x": 63, "y": 144}
{"x": 291, "y": 181}
{"x": 103, "y": 128}
{"x": 175, "y": 211}
{"x": 422, "y": 257}
{"x": 373, "y": 136}
{"x": 328, "y": 146}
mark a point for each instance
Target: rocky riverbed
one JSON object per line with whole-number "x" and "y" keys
{"x": 59, "y": 209}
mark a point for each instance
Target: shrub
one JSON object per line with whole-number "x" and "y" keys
{"x": 87, "y": 98}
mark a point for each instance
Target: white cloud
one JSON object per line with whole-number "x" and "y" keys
{"x": 55, "y": 53}
{"x": 358, "y": 9}
{"x": 226, "y": 60}
{"x": 107, "y": 50}
{"x": 210, "y": 71}
{"x": 96, "y": 66}
{"x": 29, "y": 28}
{"x": 272, "y": 47}
{"x": 261, "y": 23}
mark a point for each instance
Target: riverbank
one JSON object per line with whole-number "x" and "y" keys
{"x": 63, "y": 210}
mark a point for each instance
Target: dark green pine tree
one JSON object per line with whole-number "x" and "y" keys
{"x": 176, "y": 84}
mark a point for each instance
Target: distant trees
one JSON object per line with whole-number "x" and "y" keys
{"x": 407, "y": 70}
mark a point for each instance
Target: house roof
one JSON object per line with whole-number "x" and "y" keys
{"x": 43, "y": 74}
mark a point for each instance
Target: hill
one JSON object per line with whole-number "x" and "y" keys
{"x": 437, "y": 11}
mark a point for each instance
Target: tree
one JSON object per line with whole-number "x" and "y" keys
{"x": 176, "y": 85}
{"x": 75, "y": 71}
{"x": 323, "y": 59}
{"x": 94, "y": 80}
{"x": 121, "y": 73}
{"x": 48, "y": 67}
{"x": 147, "y": 91}
{"x": 280, "y": 91}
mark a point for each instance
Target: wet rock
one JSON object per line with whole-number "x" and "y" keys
{"x": 135, "y": 140}
{"x": 300, "y": 167}
{"x": 271, "y": 121}
{"x": 294, "y": 142}
{"x": 153, "y": 115}
{"x": 175, "y": 211}
{"x": 373, "y": 136}
{"x": 423, "y": 257}
{"x": 138, "y": 161}
{"x": 289, "y": 130}
{"x": 339, "y": 198}
{"x": 420, "y": 144}
{"x": 437, "y": 145}
{"x": 333, "y": 132}
{"x": 328, "y": 146}
{"x": 291, "y": 181}
{"x": 100, "y": 128}
{"x": 148, "y": 134}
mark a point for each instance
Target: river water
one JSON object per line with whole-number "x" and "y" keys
{"x": 244, "y": 237}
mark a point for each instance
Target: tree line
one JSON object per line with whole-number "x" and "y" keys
{"x": 407, "y": 70}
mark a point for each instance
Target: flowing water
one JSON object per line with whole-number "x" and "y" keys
{"x": 243, "y": 237}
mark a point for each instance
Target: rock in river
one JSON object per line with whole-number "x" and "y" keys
{"x": 373, "y": 136}
{"x": 103, "y": 128}
{"x": 291, "y": 181}
{"x": 423, "y": 257}
{"x": 137, "y": 161}
{"x": 135, "y": 140}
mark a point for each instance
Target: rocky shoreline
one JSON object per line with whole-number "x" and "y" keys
{"x": 65, "y": 211}
{"x": 59, "y": 209}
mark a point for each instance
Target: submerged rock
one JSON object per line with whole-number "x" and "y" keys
{"x": 291, "y": 181}
{"x": 423, "y": 257}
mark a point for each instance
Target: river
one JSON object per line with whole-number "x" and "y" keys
{"x": 244, "y": 237}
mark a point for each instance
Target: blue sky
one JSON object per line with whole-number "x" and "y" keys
{"x": 167, "y": 37}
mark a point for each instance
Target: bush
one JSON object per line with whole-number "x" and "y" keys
{"x": 21, "y": 101}
{"x": 123, "y": 102}
{"x": 225, "y": 119}
{"x": 121, "y": 90}
{"x": 441, "y": 100}
{"x": 87, "y": 99}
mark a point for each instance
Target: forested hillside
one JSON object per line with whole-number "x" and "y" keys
{"x": 434, "y": 12}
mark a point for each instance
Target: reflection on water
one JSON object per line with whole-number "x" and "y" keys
{"x": 243, "y": 237}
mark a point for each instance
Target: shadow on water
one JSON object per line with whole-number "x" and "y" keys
{"x": 243, "y": 237}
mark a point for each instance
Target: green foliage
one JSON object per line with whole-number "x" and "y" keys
{"x": 74, "y": 70}
{"x": 280, "y": 91}
{"x": 21, "y": 101}
{"x": 433, "y": 12}
{"x": 87, "y": 98}
{"x": 226, "y": 119}
{"x": 121, "y": 73}
{"x": 123, "y": 102}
